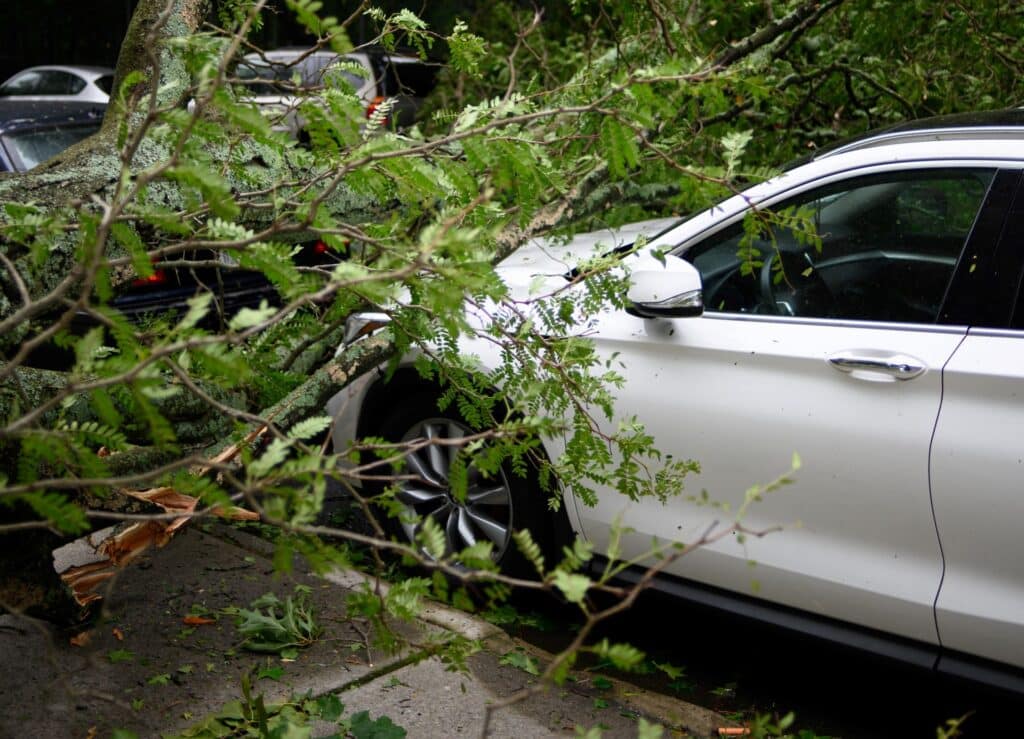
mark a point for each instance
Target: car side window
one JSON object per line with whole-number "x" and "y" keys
{"x": 26, "y": 83}
{"x": 875, "y": 248}
{"x": 54, "y": 82}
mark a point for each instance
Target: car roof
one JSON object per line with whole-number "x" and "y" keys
{"x": 86, "y": 70}
{"x": 290, "y": 52}
{"x": 17, "y": 114}
{"x": 914, "y": 145}
{"x": 1006, "y": 123}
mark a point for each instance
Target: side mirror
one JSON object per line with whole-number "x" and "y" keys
{"x": 363, "y": 324}
{"x": 672, "y": 290}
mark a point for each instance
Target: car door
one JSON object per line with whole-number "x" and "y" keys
{"x": 977, "y": 466}
{"x": 835, "y": 355}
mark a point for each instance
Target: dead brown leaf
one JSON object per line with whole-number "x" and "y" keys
{"x": 198, "y": 620}
{"x": 81, "y": 639}
{"x": 118, "y": 634}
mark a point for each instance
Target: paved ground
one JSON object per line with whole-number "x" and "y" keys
{"x": 144, "y": 669}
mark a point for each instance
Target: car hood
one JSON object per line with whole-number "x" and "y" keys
{"x": 542, "y": 264}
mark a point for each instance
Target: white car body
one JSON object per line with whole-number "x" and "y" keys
{"x": 34, "y": 81}
{"x": 901, "y": 532}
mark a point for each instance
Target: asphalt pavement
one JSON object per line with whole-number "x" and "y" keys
{"x": 165, "y": 655}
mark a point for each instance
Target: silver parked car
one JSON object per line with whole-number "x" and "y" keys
{"x": 277, "y": 79}
{"x": 57, "y": 82}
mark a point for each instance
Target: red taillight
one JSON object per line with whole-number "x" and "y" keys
{"x": 372, "y": 108}
{"x": 158, "y": 277}
{"x": 374, "y": 104}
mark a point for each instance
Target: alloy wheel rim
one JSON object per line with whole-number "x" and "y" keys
{"x": 484, "y": 515}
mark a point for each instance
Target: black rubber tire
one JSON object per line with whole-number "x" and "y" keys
{"x": 527, "y": 504}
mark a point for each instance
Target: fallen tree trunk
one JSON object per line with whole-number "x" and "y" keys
{"x": 80, "y": 231}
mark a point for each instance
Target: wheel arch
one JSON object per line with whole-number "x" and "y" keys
{"x": 381, "y": 392}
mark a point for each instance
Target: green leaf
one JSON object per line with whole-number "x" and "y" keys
{"x": 573, "y": 586}
{"x": 309, "y": 427}
{"x": 120, "y": 655}
{"x": 431, "y": 537}
{"x": 362, "y": 727}
{"x": 58, "y": 510}
{"x": 127, "y": 237}
{"x": 521, "y": 660}
{"x": 620, "y": 148}
{"x": 274, "y": 455}
{"x": 273, "y": 625}
{"x": 269, "y": 673}
{"x": 198, "y": 307}
{"x": 215, "y": 190}
{"x": 330, "y": 707}
{"x": 529, "y": 549}
{"x": 161, "y": 679}
{"x": 622, "y": 656}
{"x": 249, "y": 317}
{"x": 673, "y": 672}
{"x": 467, "y": 49}
{"x": 734, "y": 144}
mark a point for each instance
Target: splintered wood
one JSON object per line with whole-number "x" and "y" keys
{"x": 124, "y": 545}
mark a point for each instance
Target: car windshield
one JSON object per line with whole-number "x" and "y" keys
{"x": 30, "y": 148}
{"x": 278, "y": 78}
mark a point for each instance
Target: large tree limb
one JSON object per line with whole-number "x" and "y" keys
{"x": 808, "y": 11}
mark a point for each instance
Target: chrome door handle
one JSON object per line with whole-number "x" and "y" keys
{"x": 898, "y": 366}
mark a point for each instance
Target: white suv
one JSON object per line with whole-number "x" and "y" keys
{"x": 892, "y": 361}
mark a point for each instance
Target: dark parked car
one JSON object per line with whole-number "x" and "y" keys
{"x": 32, "y": 131}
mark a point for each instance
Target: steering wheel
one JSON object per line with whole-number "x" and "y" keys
{"x": 801, "y": 291}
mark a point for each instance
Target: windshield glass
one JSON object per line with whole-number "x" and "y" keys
{"x": 279, "y": 77}
{"x": 30, "y": 148}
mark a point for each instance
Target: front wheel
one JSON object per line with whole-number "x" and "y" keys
{"x": 494, "y": 505}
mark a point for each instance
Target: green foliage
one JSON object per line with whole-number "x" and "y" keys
{"x": 573, "y": 586}
{"x": 252, "y": 716}
{"x": 120, "y": 655}
{"x": 621, "y": 656}
{"x": 467, "y": 49}
{"x": 361, "y": 726}
{"x": 519, "y": 659}
{"x": 273, "y": 625}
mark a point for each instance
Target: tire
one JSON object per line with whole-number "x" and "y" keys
{"x": 494, "y": 507}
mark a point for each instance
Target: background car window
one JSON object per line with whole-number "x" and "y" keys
{"x": 261, "y": 78}
{"x": 351, "y": 72}
{"x": 24, "y": 84}
{"x": 53, "y": 82}
{"x": 105, "y": 83}
{"x": 879, "y": 248}
{"x": 32, "y": 147}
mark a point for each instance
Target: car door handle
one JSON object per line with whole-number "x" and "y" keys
{"x": 899, "y": 366}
